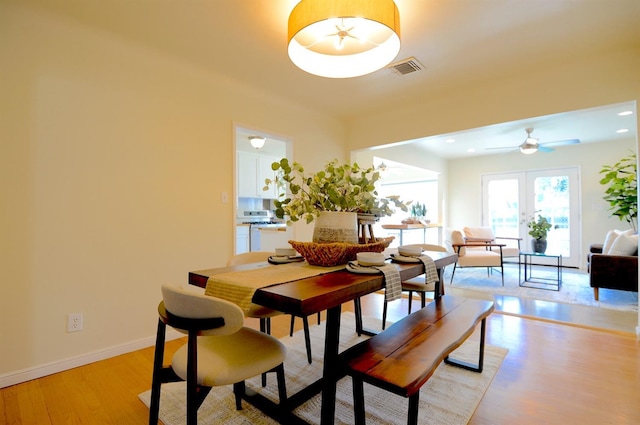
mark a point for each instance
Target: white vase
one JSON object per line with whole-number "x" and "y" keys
{"x": 333, "y": 226}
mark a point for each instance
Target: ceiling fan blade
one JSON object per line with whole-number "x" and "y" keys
{"x": 562, "y": 142}
{"x": 545, "y": 149}
{"x": 502, "y": 148}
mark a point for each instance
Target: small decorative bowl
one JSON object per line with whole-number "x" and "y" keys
{"x": 410, "y": 251}
{"x": 370, "y": 258}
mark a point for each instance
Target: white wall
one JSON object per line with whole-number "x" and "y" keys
{"x": 113, "y": 160}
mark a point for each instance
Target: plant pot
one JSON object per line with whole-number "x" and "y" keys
{"x": 539, "y": 245}
{"x": 334, "y": 226}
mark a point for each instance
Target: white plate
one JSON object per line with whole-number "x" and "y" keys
{"x": 284, "y": 260}
{"x": 402, "y": 259}
{"x": 354, "y": 267}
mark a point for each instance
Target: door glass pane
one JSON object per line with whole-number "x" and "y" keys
{"x": 503, "y": 207}
{"x": 552, "y": 201}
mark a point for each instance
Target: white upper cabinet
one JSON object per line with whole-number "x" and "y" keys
{"x": 253, "y": 169}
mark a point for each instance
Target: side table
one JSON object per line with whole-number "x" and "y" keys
{"x": 539, "y": 282}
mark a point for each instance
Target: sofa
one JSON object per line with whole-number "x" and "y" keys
{"x": 613, "y": 268}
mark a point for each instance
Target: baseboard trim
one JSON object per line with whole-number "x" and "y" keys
{"x": 36, "y": 372}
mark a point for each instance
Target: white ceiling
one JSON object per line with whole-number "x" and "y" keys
{"x": 458, "y": 42}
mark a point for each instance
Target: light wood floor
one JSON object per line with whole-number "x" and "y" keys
{"x": 553, "y": 374}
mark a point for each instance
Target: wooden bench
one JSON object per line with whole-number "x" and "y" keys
{"x": 403, "y": 357}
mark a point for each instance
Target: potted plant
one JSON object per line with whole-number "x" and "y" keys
{"x": 539, "y": 229}
{"x": 622, "y": 189}
{"x": 340, "y": 188}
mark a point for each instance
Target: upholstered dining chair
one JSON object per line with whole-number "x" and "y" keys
{"x": 473, "y": 254}
{"x": 416, "y": 284}
{"x": 220, "y": 350}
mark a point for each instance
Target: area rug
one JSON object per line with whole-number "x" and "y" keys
{"x": 575, "y": 287}
{"x": 449, "y": 397}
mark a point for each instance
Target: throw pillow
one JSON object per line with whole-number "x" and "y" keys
{"x": 624, "y": 245}
{"x": 612, "y": 235}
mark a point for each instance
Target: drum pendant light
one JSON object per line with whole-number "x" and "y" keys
{"x": 343, "y": 38}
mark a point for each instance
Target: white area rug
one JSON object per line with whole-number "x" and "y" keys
{"x": 575, "y": 287}
{"x": 449, "y": 397}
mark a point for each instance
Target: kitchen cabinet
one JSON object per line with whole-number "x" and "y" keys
{"x": 253, "y": 169}
{"x": 242, "y": 239}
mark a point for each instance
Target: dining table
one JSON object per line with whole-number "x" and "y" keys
{"x": 310, "y": 295}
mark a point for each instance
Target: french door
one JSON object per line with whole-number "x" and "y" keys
{"x": 511, "y": 200}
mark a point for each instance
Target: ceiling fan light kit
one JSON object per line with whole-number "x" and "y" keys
{"x": 343, "y": 39}
{"x": 530, "y": 145}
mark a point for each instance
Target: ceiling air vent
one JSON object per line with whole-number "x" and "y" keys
{"x": 406, "y": 66}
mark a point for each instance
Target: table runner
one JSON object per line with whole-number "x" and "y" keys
{"x": 240, "y": 286}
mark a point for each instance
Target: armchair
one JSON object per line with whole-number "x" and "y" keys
{"x": 476, "y": 254}
{"x": 482, "y": 235}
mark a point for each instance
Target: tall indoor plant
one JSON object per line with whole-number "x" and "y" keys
{"x": 339, "y": 187}
{"x": 622, "y": 189}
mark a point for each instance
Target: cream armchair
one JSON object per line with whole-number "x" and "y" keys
{"x": 483, "y": 235}
{"x": 472, "y": 254}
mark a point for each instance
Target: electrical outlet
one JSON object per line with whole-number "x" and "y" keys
{"x": 74, "y": 322}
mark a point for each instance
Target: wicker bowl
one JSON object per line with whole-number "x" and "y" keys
{"x": 336, "y": 253}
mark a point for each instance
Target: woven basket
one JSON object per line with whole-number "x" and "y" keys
{"x": 336, "y": 253}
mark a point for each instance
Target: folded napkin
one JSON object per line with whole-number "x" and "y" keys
{"x": 430, "y": 271}
{"x": 392, "y": 283}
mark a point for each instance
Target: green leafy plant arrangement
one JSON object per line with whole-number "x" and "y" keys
{"x": 338, "y": 187}
{"x": 622, "y": 190}
{"x": 539, "y": 227}
{"x": 418, "y": 209}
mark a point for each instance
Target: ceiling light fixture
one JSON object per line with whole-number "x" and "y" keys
{"x": 530, "y": 145}
{"x": 343, "y": 39}
{"x": 257, "y": 141}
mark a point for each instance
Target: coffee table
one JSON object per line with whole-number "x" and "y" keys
{"x": 539, "y": 282}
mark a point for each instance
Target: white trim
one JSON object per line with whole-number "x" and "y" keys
{"x": 35, "y": 372}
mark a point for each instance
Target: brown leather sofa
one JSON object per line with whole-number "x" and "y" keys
{"x": 611, "y": 271}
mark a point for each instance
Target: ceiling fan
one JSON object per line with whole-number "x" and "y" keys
{"x": 531, "y": 144}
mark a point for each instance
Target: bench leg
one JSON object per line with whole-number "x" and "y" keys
{"x": 414, "y": 401}
{"x": 358, "y": 401}
{"x": 469, "y": 366}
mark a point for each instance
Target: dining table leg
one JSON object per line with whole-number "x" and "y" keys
{"x": 329, "y": 373}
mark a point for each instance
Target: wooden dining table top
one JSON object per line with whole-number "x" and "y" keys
{"x": 313, "y": 294}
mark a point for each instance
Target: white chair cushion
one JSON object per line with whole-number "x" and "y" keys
{"x": 478, "y": 233}
{"x": 224, "y": 360}
{"x": 507, "y": 251}
{"x": 624, "y": 244}
{"x": 480, "y": 259}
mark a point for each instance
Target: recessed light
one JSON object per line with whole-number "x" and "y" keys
{"x": 471, "y": 150}
{"x": 623, "y": 130}
{"x": 451, "y": 140}
{"x": 624, "y": 113}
